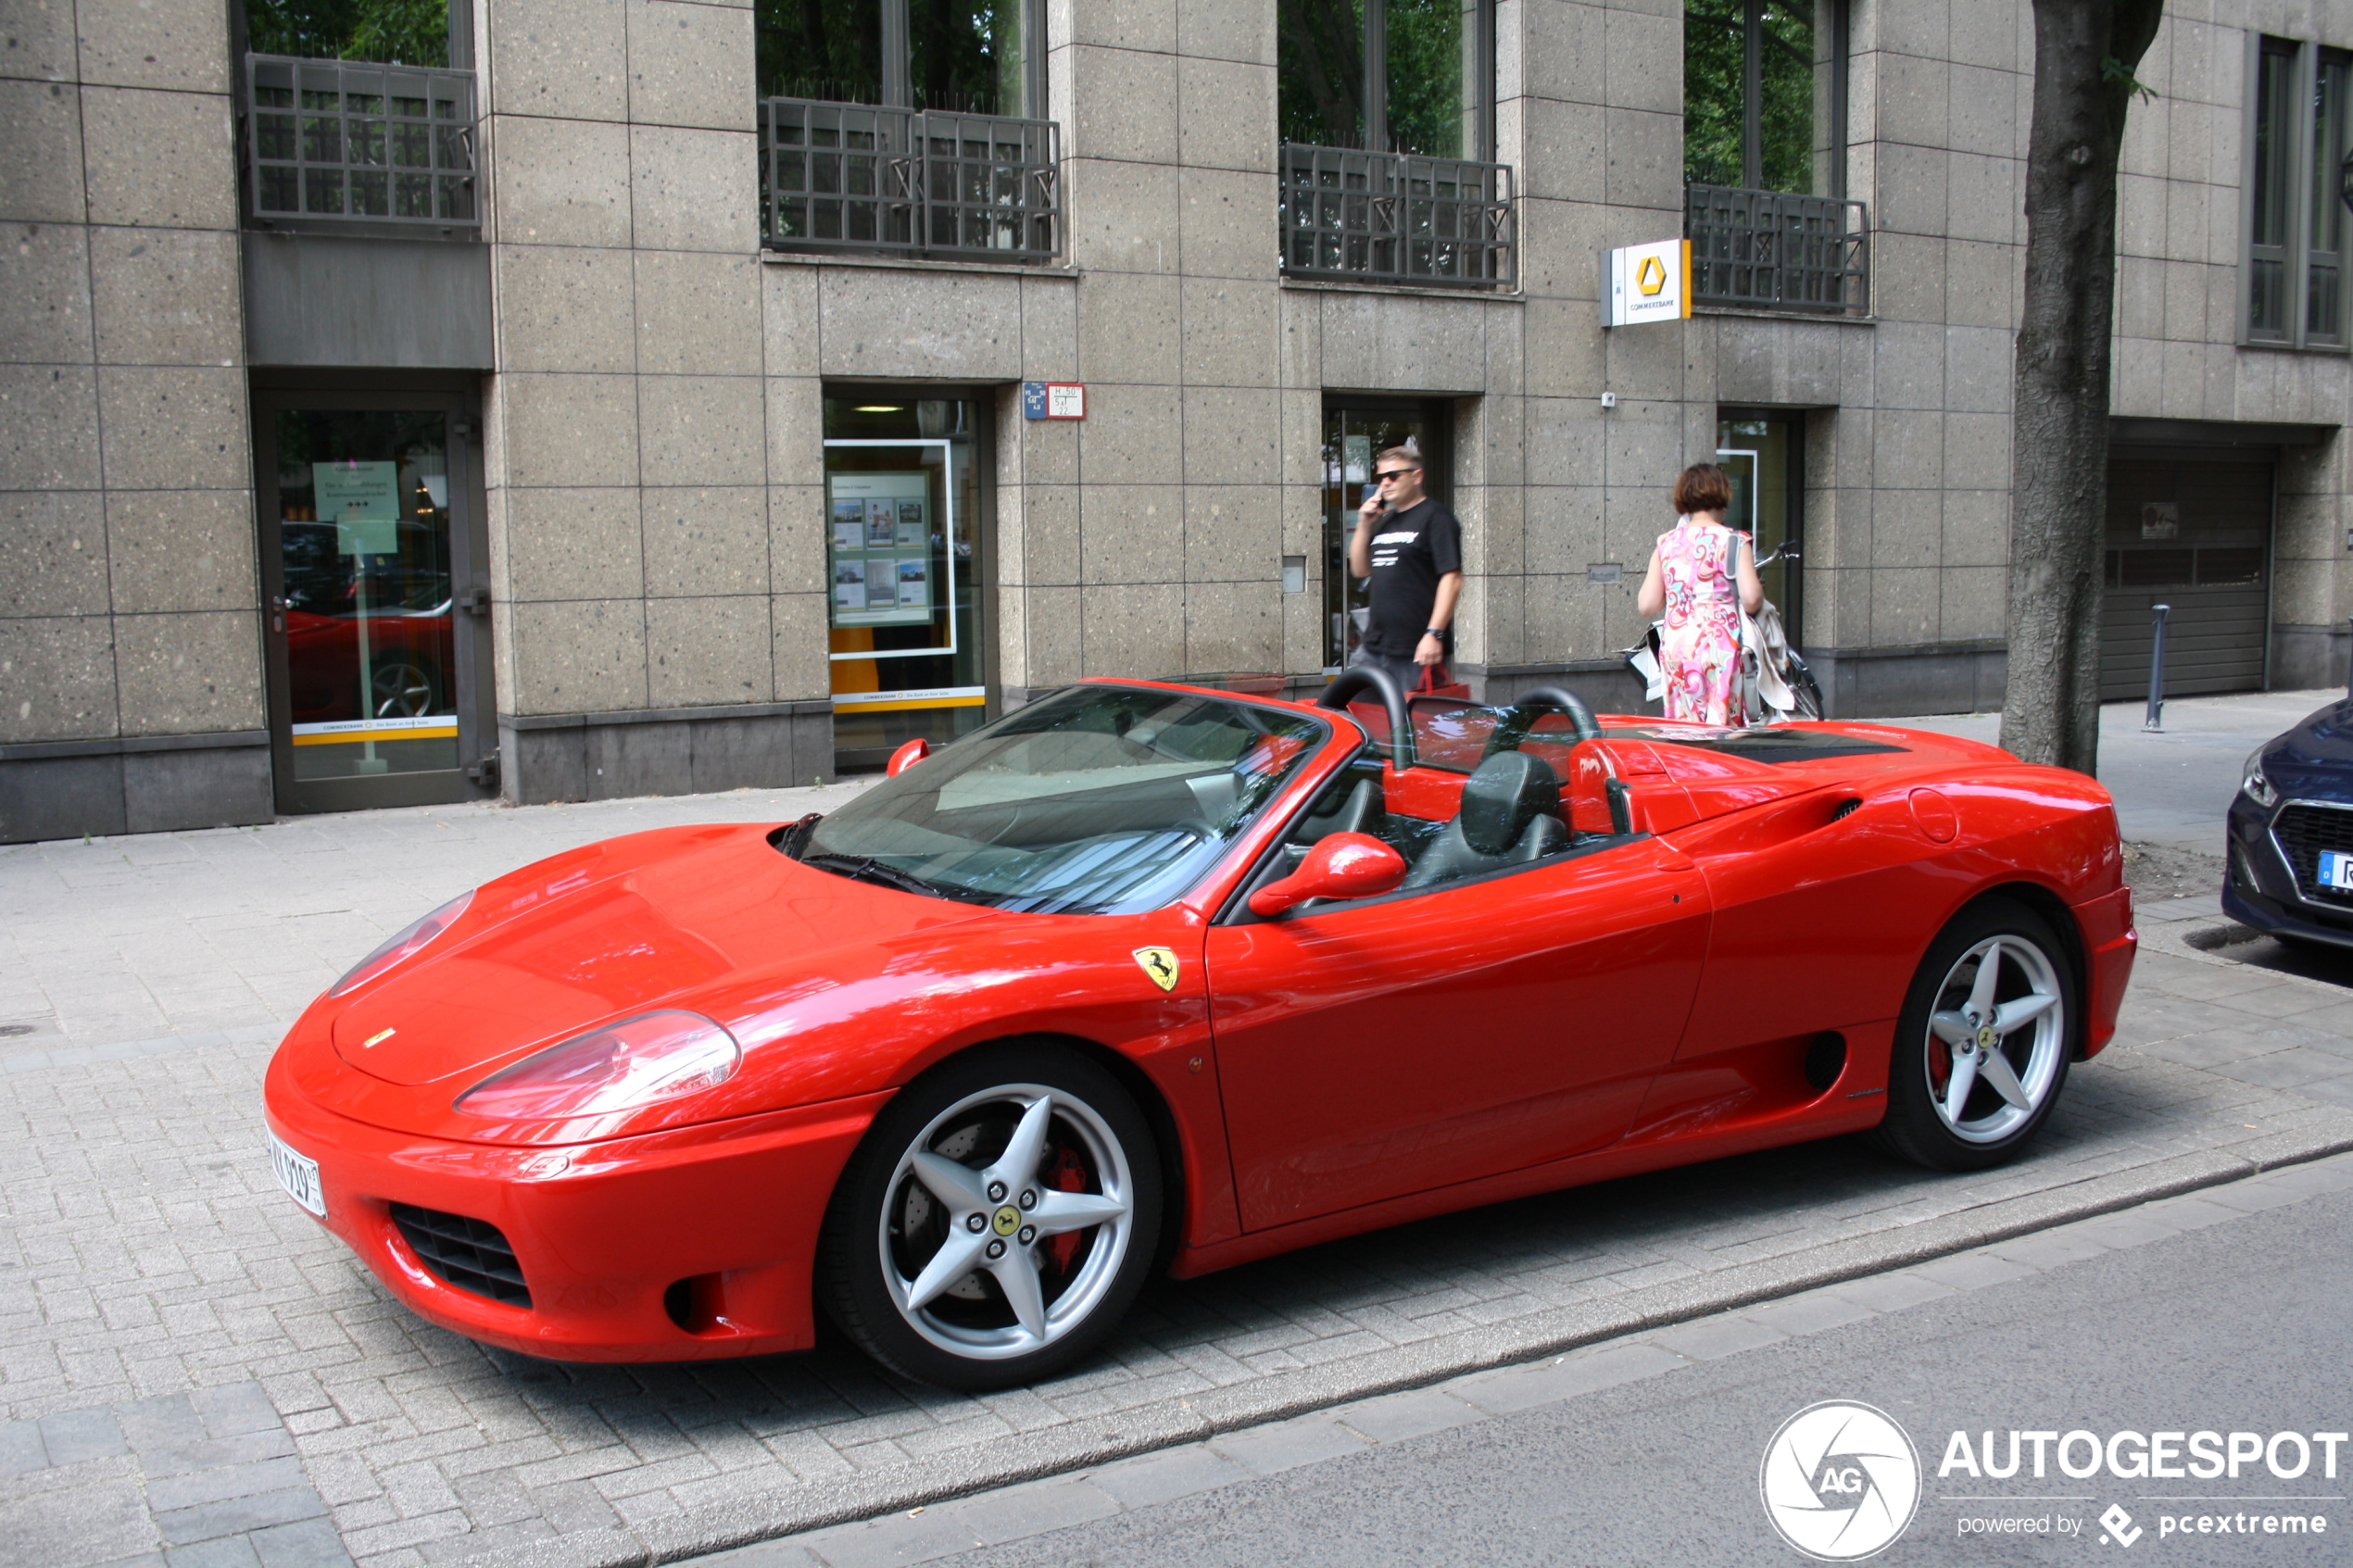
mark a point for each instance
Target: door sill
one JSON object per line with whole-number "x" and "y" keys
{"x": 440, "y": 786}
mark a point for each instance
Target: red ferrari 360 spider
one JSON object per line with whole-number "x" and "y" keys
{"x": 1146, "y": 976}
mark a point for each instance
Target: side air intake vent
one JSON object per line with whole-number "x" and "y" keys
{"x": 1846, "y": 808}
{"x": 470, "y": 1254}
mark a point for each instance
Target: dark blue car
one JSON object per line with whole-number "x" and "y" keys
{"x": 2291, "y": 834}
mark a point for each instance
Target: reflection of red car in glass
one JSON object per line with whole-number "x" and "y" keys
{"x": 411, "y": 644}
{"x": 1145, "y": 976}
{"x": 408, "y": 652}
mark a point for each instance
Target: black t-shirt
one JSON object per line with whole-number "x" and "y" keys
{"x": 1411, "y": 550}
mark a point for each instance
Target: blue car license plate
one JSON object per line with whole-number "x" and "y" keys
{"x": 2336, "y": 870}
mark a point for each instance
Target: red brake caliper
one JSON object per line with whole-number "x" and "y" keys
{"x": 1068, "y": 1176}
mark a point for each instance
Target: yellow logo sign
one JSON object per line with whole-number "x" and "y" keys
{"x": 377, "y": 1039}
{"x": 1651, "y": 276}
{"x": 1161, "y": 964}
{"x": 1007, "y": 1220}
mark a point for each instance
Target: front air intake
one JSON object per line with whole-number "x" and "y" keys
{"x": 470, "y": 1254}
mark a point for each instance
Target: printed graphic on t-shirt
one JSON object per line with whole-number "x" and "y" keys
{"x": 1385, "y": 546}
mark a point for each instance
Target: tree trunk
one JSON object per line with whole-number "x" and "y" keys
{"x": 2084, "y": 55}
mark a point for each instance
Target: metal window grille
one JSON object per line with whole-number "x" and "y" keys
{"x": 1769, "y": 250}
{"x": 352, "y": 143}
{"x": 1352, "y": 215}
{"x": 865, "y": 177}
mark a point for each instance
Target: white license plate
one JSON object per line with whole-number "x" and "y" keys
{"x": 299, "y": 1176}
{"x": 2336, "y": 870}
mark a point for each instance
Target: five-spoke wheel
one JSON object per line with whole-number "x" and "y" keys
{"x": 1983, "y": 1046}
{"x": 996, "y": 1219}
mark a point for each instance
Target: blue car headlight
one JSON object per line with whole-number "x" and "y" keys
{"x": 2253, "y": 785}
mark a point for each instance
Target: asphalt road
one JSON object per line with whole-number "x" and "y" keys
{"x": 2237, "y": 1326}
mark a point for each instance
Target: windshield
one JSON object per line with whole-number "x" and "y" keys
{"x": 1095, "y": 800}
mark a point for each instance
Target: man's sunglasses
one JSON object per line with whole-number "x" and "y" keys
{"x": 1386, "y": 474}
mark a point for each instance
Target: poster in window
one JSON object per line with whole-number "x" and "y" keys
{"x": 849, "y": 525}
{"x": 880, "y": 549}
{"x": 364, "y": 501}
{"x": 849, "y": 585}
{"x": 915, "y": 581}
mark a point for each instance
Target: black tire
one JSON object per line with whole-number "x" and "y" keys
{"x": 1991, "y": 1126}
{"x": 887, "y": 1226}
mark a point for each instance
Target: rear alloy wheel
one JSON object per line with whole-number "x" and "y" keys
{"x": 1983, "y": 1044}
{"x": 997, "y": 1221}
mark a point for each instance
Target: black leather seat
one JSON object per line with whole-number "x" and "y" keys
{"x": 1510, "y": 815}
{"x": 1358, "y": 811}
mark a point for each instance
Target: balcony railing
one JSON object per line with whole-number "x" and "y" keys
{"x": 1768, "y": 250}
{"x": 1348, "y": 214}
{"x": 866, "y": 178}
{"x": 340, "y": 142}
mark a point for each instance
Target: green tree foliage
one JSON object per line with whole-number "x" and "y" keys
{"x": 961, "y": 54}
{"x": 1319, "y": 71}
{"x": 1712, "y": 102}
{"x": 1426, "y": 77}
{"x": 415, "y": 32}
{"x": 818, "y": 49}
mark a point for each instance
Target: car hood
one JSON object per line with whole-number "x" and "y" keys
{"x": 618, "y": 928}
{"x": 2318, "y": 751}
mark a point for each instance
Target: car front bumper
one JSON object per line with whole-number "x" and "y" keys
{"x": 684, "y": 1245}
{"x": 2260, "y": 889}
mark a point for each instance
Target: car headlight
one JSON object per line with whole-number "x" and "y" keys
{"x": 2253, "y": 785}
{"x": 402, "y": 943}
{"x": 638, "y": 1062}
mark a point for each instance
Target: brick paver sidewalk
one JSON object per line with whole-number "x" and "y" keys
{"x": 188, "y": 1364}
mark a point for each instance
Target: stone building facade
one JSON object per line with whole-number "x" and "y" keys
{"x": 641, "y": 393}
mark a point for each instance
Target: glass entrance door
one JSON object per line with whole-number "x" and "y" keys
{"x": 1354, "y": 434}
{"x": 1763, "y": 455}
{"x": 373, "y": 634}
{"x": 905, "y": 571}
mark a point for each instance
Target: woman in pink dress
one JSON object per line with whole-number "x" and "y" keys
{"x": 1702, "y": 576}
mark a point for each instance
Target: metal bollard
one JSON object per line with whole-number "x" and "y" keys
{"x": 2154, "y": 722}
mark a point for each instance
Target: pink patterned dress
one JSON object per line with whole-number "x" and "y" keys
{"x": 1700, "y": 647}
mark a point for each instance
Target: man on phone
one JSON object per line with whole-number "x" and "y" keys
{"x": 1411, "y": 549}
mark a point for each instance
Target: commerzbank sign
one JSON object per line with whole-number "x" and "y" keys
{"x": 1650, "y": 283}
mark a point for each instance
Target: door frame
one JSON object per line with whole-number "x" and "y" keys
{"x": 1437, "y": 414}
{"x": 1793, "y": 603}
{"x": 456, "y": 396}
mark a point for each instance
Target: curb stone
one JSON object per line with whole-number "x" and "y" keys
{"x": 1098, "y": 1440}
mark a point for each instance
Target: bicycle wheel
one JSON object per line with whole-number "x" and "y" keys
{"x": 1803, "y": 689}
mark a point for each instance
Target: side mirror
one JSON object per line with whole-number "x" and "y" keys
{"x": 1342, "y": 865}
{"x": 907, "y": 756}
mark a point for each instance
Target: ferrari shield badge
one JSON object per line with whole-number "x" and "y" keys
{"x": 1161, "y": 964}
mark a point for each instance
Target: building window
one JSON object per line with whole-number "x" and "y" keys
{"x": 1764, "y": 96}
{"x": 974, "y": 56}
{"x": 1397, "y": 76}
{"x": 409, "y": 32}
{"x": 2296, "y": 143}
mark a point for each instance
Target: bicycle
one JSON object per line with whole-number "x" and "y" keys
{"x": 1771, "y": 670}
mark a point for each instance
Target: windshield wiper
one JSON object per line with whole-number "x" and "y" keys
{"x": 865, "y": 868}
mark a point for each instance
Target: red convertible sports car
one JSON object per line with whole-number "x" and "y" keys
{"x": 1147, "y": 976}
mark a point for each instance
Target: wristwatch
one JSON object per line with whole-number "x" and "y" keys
{"x": 1437, "y": 632}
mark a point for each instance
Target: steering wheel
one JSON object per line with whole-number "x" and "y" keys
{"x": 1520, "y": 717}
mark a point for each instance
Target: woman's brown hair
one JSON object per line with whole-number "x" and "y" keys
{"x": 1702, "y": 488}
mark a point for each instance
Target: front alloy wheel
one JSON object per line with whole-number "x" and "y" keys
{"x": 997, "y": 1221}
{"x": 1983, "y": 1044}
